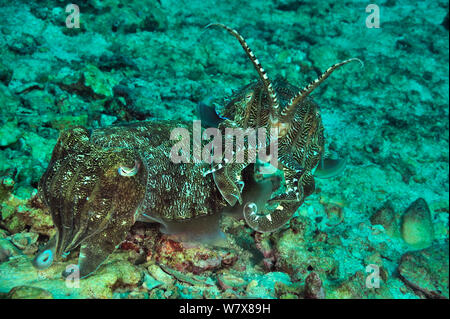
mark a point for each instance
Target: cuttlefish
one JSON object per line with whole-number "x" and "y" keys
{"x": 99, "y": 183}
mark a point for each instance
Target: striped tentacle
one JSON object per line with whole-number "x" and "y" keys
{"x": 303, "y": 93}
{"x": 274, "y": 104}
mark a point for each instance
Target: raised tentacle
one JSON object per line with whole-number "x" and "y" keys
{"x": 274, "y": 105}
{"x": 303, "y": 93}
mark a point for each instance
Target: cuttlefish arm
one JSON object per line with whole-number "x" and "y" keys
{"x": 95, "y": 249}
{"x": 93, "y": 193}
{"x": 328, "y": 168}
{"x": 259, "y": 212}
{"x": 257, "y": 209}
{"x": 109, "y": 223}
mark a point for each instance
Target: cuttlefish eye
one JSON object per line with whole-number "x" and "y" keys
{"x": 128, "y": 172}
{"x": 44, "y": 259}
{"x": 248, "y": 97}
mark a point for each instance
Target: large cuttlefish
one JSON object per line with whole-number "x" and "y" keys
{"x": 99, "y": 183}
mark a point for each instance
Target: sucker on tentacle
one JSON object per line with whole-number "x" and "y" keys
{"x": 274, "y": 104}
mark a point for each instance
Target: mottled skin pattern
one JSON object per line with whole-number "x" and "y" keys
{"x": 98, "y": 184}
{"x": 297, "y": 119}
{"x": 175, "y": 192}
{"x": 93, "y": 206}
{"x": 299, "y": 152}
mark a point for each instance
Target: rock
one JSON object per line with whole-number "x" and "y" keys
{"x": 376, "y": 259}
{"x": 313, "y": 287}
{"x": 192, "y": 292}
{"x": 7, "y": 183}
{"x": 3, "y": 255}
{"x": 255, "y": 290}
{"x": 100, "y": 82}
{"x": 115, "y": 62}
{"x": 26, "y": 44}
{"x": 137, "y": 295}
{"x": 117, "y": 273}
{"x": 159, "y": 274}
{"x": 288, "y": 296}
{"x": 107, "y": 120}
{"x": 5, "y": 74}
{"x": 270, "y": 279}
{"x": 18, "y": 213}
{"x": 355, "y": 287}
{"x": 265, "y": 286}
{"x": 417, "y": 227}
{"x": 40, "y": 148}
{"x": 139, "y": 101}
{"x": 7, "y": 250}
{"x": 25, "y": 241}
{"x": 298, "y": 253}
{"x": 196, "y": 258}
{"x": 150, "y": 282}
{"x": 89, "y": 82}
{"x": 9, "y": 133}
{"x": 38, "y": 100}
{"x": 426, "y": 271}
{"x": 229, "y": 281}
{"x": 9, "y": 101}
{"x": 385, "y": 216}
{"x": 291, "y": 290}
{"x": 28, "y": 292}
{"x": 19, "y": 271}
{"x": 136, "y": 16}
{"x": 3, "y": 233}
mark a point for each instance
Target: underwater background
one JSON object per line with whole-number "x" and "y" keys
{"x": 378, "y": 230}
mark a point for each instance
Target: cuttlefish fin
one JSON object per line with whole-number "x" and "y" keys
{"x": 208, "y": 115}
{"x": 328, "y": 168}
{"x": 205, "y": 230}
{"x": 96, "y": 249}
